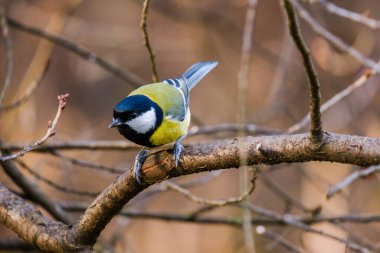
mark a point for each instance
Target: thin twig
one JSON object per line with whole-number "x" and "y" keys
{"x": 275, "y": 101}
{"x": 334, "y": 100}
{"x": 292, "y": 221}
{"x": 285, "y": 196}
{"x": 62, "y": 101}
{"x": 243, "y": 81}
{"x": 29, "y": 91}
{"x": 352, "y": 178}
{"x": 38, "y": 65}
{"x": 336, "y": 41}
{"x": 250, "y": 129}
{"x": 123, "y": 74}
{"x": 315, "y": 96}
{"x": 350, "y": 15}
{"x": 84, "y": 163}
{"x": 24, "y": 98}
{"x": 143, "y": 26}
{"x": 51, "y": 183}
{"x": 199, "y": 200}
{"x": 263, "y": 231}
{"x": 34, "y": 193}
{"x": 9, "y": 56}
{"x": 233, "y": 220}
{"x": 271, "y": 218}
{"x": 76, "y": 145}
{"x": 155, "y": 189}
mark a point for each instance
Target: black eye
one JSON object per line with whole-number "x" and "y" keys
{"x": 133, "y": 115}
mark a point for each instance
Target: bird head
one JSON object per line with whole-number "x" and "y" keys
{"x": 136, "y": 114}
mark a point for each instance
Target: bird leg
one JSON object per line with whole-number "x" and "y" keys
{"x": 139, "y": 160}
{"x": 178, "y": 149}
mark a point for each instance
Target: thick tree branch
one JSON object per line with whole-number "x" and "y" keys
{"x": 362, "y": 151}
{"x": 260, "y": 150}
{"x": 356, "y": 150}
{"x": 29, "y": 224}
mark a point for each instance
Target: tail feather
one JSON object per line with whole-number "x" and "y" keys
{"x": 196, "y": 72}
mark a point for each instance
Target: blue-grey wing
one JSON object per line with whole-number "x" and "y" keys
{"x": 179, "y": 108}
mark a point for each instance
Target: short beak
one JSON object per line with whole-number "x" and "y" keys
{"x": 115, "y": 122}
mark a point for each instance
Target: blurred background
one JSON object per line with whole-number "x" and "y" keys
{"x": 183, "y": 32}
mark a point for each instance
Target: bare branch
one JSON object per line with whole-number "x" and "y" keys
{"x": 158, "y": 188}
{"x": 315, "y": 96}
{"x": 158, "y": 166}
{"x": 334, "y": 100}
{"x": 88, "y": 164}
{"x": 219, "y": 203}
{"x": 292, "y": 221}
{"x": 55, "y": 185}
{"x": 337, "y": 42}
{"x": 350, "y": 15}
{"x": 273, "y": 150}
{"x": 285, "y": 196}
{"x": 62, "y": 101}
{"x": 249, "y": 129}
{"x": 38, "y": 65}
{"x": 81, "y": 145}
{"x": 123, "y": 74}
{"x": 245, "y": 60}
{"x": 243, "y": 81}
{"x": 263, "y": 231}
{"x": 357, "y": 150}
{"x": 143, "y": 26}
{"x": 233, "y": 221}
{"x": 29, "y": 224}
{"x": 34, "y": 193}
{"x": 352, "y": 178}
{"x": 24, "y": 98}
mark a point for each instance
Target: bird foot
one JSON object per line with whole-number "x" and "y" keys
{"x": 139, "y": 160}
{"x": 178, "y": 150}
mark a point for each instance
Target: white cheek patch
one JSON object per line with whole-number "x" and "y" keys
{"x": 144, "y": 122}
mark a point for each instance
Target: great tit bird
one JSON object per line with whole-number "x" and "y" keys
{"x": 157, "y": 114}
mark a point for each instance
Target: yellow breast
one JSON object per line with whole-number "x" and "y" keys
{"x": 170, "y": 130}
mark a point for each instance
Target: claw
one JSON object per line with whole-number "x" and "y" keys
{"x": 139, "y": 160}
{"x": 178, "y": 149}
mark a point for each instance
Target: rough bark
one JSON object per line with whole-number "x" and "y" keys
{"x": 49, "y": 235}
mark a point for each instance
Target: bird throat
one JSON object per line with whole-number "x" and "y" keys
{"x": 140, "y": 129}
